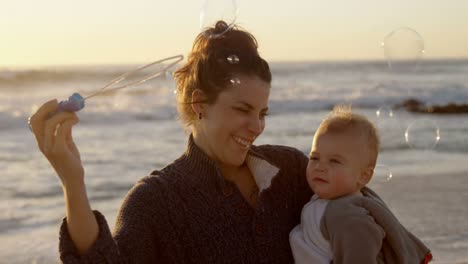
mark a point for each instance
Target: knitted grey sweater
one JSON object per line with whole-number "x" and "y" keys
{"x": 188, "y": 213}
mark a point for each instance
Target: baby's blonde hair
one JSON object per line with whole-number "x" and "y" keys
{"x": 342, "y": 119}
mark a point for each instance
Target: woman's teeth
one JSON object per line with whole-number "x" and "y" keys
{"x": 243, "y": 142}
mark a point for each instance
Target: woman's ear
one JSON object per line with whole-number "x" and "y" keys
{"x": 366, "y": 176}
{"x": 198, "y": 99}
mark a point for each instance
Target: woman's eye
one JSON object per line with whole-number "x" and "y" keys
{"x": 241, "y": 110}
{"x": 313, "y": 158}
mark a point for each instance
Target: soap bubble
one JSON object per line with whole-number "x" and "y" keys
{"x": 170, "y": 83}
{"x": 422, "y": 134}
{"x": 403, "y": 49}
{"x": 384, "y": 112}
{"x": 382, "y": 174}
{"x": 171, "y": 87}
{"x": 215, "y": 10}
{"x": 234, "y": 81}
{"x": 233, "y": 59}
{"x": 389, "y": 127}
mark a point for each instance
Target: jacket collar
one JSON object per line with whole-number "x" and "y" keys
{"x": 203, "y": 170}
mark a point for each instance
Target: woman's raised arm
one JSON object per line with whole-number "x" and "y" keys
{"x": 53, "y": 132}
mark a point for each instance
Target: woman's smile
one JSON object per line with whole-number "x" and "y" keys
{"x": 243, "y": 142}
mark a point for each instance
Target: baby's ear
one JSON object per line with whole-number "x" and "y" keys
{"x": 366, "y": 176}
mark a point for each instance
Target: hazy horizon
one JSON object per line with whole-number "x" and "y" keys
{"x": 137, "y": 64}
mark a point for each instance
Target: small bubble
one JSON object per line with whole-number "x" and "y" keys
{"x": 170, "y": 83}
{"x": 422, "y": 134}
{"x": 382, "y": 174}
{"x": 233, "y": 59}
{"x": 384, "y": 112}
{"x": 389, "y": 127}
{"x": 234, "y": 80}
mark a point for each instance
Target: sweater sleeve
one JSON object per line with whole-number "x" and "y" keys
{"x": 353, "y": 234}
{"x": 134, "y": 239}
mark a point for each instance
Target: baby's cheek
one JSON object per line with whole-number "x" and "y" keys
{"x": 344, "y": 180}
{"x": 309, "y": 174}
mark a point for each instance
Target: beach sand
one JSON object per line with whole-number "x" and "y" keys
{"x": 434, "y": 208}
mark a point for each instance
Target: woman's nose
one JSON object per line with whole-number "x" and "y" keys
{"x": 256, "y": 125}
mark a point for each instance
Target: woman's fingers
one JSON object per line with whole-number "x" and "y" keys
{"x": 71, "y": 145}
{"x": 37, "y": 122}
{"x": 38, "y": 119}
{"x": 63, "y": 139}
{"x": 50, "y": 129}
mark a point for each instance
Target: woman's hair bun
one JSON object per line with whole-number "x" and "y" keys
{"x": 220, "y": 27}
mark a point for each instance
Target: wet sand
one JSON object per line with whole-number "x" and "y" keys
{"x": 433, "y": 207}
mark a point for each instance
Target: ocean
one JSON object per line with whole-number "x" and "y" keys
{"x": 123, "y": 136}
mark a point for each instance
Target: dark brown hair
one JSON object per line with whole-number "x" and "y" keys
{"x": 214, "y": 62}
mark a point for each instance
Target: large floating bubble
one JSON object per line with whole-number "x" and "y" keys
{"x": 215, "y": 10}
{"x": 423, "y": 134}
{"x": 403, "y": 49}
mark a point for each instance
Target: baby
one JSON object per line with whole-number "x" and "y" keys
{"x": 342, "y": 161}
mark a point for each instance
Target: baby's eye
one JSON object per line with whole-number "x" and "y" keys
{"x": 335, "y": 161}
{"x": 313, "y": 158}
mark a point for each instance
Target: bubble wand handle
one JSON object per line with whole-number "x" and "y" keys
{"x": 74, "y": 103}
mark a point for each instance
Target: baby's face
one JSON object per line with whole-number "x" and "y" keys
{"x": 337, "y": 165}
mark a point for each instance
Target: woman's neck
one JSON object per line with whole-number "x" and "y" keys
{"x": 230, "y": 173}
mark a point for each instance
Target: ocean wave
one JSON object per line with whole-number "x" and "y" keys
{"x": 25, "y": 78}
{"x": 42, "y": 193}
{"x": 24, "y": 223}
{"x": 29, "y": 76}
{"x": 11, "y": 224}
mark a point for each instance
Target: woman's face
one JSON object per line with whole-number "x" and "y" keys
{"x": 230, "y": 125}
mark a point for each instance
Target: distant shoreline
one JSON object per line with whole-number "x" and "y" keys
{"x": 272, "y": 62}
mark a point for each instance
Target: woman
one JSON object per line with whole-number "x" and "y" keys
{"x": 223, "y": 201}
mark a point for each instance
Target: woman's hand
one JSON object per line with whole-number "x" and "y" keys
{"x": 53, "y": 134}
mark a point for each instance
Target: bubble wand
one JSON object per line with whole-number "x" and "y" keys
{"x": 76, "y": 101}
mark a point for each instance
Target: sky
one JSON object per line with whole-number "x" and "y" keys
{"x": 37, "y": 33}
